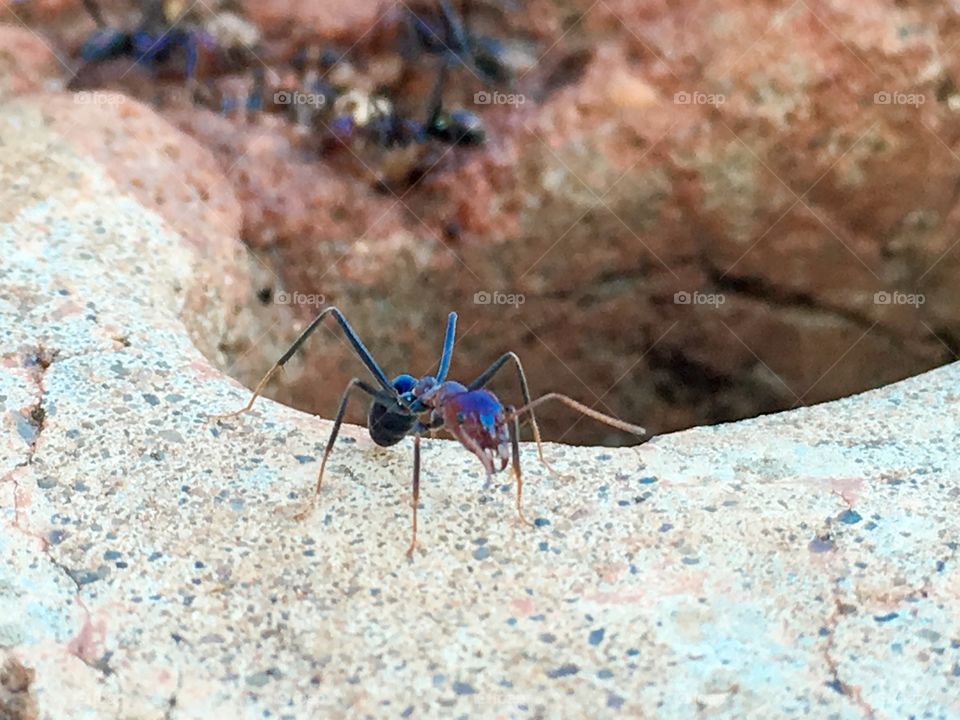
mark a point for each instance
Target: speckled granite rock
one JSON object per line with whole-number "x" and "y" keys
{"x": 797, "y": 565}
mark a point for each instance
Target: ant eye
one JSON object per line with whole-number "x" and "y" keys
{"x": 461, "y": 417}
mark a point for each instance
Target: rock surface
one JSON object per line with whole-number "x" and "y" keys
{"x": 795, "y": 565}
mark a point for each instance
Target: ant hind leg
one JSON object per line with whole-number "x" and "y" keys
{"x": 515, "y": 450}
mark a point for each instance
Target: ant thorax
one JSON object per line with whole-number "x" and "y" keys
{"x": 426, "y": 391}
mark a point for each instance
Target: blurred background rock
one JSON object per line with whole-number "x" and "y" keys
{"x": 709, "y": 210}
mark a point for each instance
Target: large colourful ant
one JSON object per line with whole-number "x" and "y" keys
{"x": 410, "y": 406}
{"x": 456, "y": 44}
{"x": 160, "y": 34}
{"x": 151, "y": 42}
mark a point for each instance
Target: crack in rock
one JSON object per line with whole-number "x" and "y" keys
{"x": 82, "y": 646}
{"x": 37, "y": 362}
{"x": 840, "y": 609}
{"x": 759, "y": 288}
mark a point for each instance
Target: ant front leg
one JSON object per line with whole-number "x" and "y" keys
{"x": 255, "y": 101}
{"x": 488, "y": 374}
{"x": 190, "y": 42}
{"x": 515, "y": 448}
{"x": 256, "y": 393}
{"x": 358, "y": 347}
{"x": 331, "y": 441}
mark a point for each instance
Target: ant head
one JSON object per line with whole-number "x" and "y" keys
{"x": 492, "y": 60}
{"x": 417, "y": 394}
{"x": 404, "y": 385}
{"x": 457, "y": 127}
{"x": 106, "y": 44}
{"x": 477, "y": 419}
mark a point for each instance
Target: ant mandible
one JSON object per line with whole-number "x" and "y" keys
{"x": 472, "y": 414}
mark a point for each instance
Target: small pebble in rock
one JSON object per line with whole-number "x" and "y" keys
{"x": 821, "y": 545}
{"x": 563, "y": 671}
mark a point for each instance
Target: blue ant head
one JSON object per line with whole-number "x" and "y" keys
{"x": 404, "y": 384}
{"x": 457, "y": 127}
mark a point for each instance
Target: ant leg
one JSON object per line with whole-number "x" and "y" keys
{"x": 191, "y": 47}
{"x": 416, "y": 491}
{"x": 488, "y": 374}
{"x": 581, "y": 408}
{"x": 256, "y": 393}
{"x": 337, "y": 422}
{"x": 93, "y": 9}
{"x": 256, "y": 98}
{"x": 447, "y": 353}
{"x": 457, "y": 42}
{"x": 435, "y": 102}
{"x": 359, "y": 348}
{"x": 515, "y": 446}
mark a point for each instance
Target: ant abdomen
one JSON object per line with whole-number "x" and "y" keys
{"x": 388, "y": 428}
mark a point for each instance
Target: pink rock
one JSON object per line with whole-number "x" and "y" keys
{"x": 798, "y": 177}
{"x": 26, "y": 60}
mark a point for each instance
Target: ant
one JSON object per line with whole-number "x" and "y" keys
{"x": 162, "y": 32}
{"x": 377, "y": 120}
{"x": 485, "y": 57}
{"x": 153, "y": 41}
{"x": 341, "y": 116}
{"x": 410, "y": 406}
{"x": 374, "y": 118}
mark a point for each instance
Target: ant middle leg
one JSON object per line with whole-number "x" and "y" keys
{"x": 331, "y": 441}
{"x": 416, "y": 491}
{"x": 488, "y": 374}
